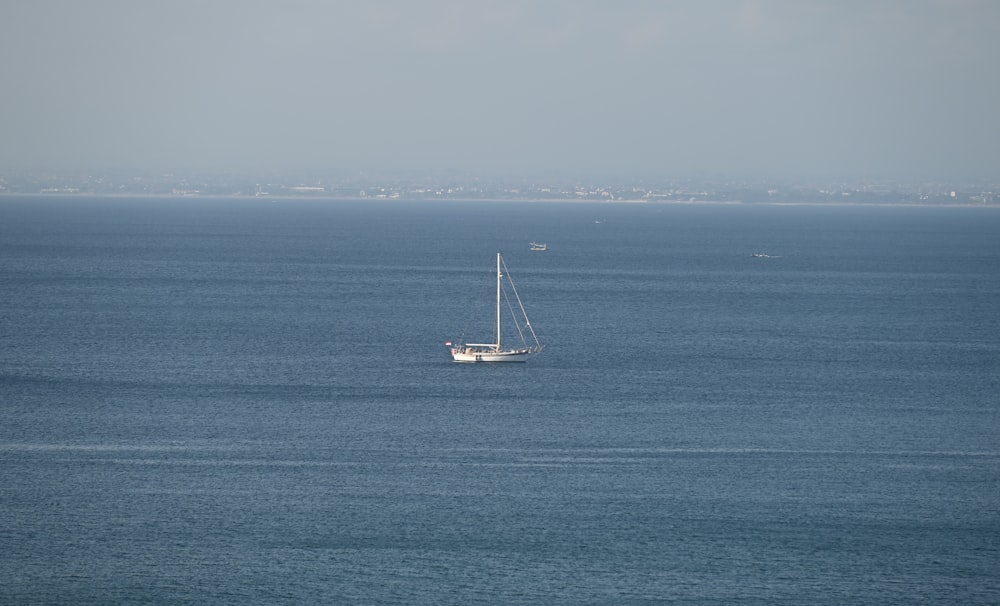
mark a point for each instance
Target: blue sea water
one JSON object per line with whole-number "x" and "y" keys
{"x": 250, "y": 401}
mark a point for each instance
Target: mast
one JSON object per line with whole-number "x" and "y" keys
{"x": 499, "y": 274}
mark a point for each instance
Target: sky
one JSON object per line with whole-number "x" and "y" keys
{"x": 797, "y": 89}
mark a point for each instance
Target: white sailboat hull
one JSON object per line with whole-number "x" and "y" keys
{"x": 471, "y": 355}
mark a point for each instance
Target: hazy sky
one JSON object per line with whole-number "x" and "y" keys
{"x": 781, "y": 88}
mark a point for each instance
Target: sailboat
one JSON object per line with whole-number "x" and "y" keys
{"x": 498, "y": 352}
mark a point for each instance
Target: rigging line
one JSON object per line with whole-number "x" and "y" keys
{"x": 513, "y": 315}
{"x": 527, "y": 322}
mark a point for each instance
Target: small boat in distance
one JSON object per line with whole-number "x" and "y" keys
{"x": 497, "y": 352}
{"x": 539, "y": 246}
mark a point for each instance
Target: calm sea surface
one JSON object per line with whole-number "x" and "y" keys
{"x": 249, "y": 401}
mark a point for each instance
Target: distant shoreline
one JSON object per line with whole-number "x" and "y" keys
{"x": 401, "y": 200}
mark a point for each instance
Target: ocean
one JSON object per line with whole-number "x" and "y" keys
{"x": 235, "y": 401}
